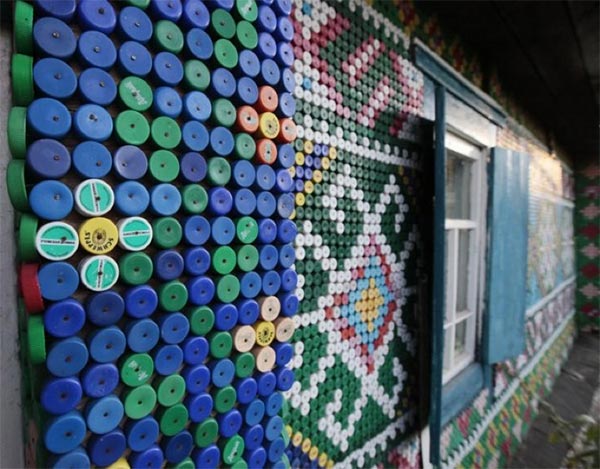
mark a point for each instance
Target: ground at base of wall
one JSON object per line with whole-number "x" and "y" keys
{"x": 571, "y": 396}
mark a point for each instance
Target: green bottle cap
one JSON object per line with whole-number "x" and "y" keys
{"x": 246, "y": 229}
{"x": 139, "y": 402}
{"x": 21, "y": 70}
{"x": 223, "y": 260}
{"x": 219, "y": 171}
{"x": 232, "y": 449}
{"x": 28, "y": 227}
{"x": 240, "y": 464}
{"x": 226, "y": 54}
{"x": 135, "y": 233}
{"x": 247, "y": 258}
{"x": 135, "y": 93}
{"x": 17, "y": 131}
{"x": 245, "y": 146}
{"x": 165, "y": 132}
{"x": 172, "y": 419}
{"x": 244, "y": 364}
{"x": 36, "y": 339}
{"x": 167, "y": 232}
{"x": 136, "y": 369}
{"x": 195, "y": 198}
{"x": 143, "y": 4}
{"x": 164, "y": 166}
{"x": 202, "y": 319}
{"x": 228, "y": 288}
{"x": 206, "y": 433}
{"x": 132, "y": 127}
{"x": 196, "y": 75}
{"x": 168, "y": 36}
{"x": 57, "y": 241}
{"x": 225, "y": 399}
{"x": 136, "y": 268}
{"x": 187, "y": 463}
{"x": 23, "y": 27}
{"x": 246, "y": 35}
{"x": 223, "y": 112}
{"x": 172, "y": 296}
{"x": 222, "y": 23}
{"x": 247, "y": 9}
{"x": 171, "y": 390}
{"x": 220, "y": 344}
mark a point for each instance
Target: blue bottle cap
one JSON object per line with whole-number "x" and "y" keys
{"x": 92, "y": 160}
{"x": 141, "y": 301}
{"x": 265, "y": 177}
{"x": 93, "y": 122}
{"x": 67, "y": 357}
{"x": 106, "y": 449}
{"x": 285, "y": 54}
{"x": 167, "y": 68}
{"x": 178, "y": 447}
{"x": 286, "y": 231}
{"x": 197, "y": 261}
{"x": 106, "y": 345}
{"x": 308, "y": 174}
{"x": 151, "y": 458}
{"x": 48, "y": 159}
{"x": 199, "y": 406}
{"x": 247, "y": 91}
{"x": 222, "y": 372}
{"x": 103, "y": 415}
{"x": 100, "y": 380}
{"x": 265, "y": 204}
{"x": 221, "y": 141}
{"x": 244, "y": 201}
{"x": 299, "y": 185}
{"x": 98, "y": 15}
{"x": 286, "y": 155}
{"x": 267, "y": 19}
{"x": 283, "y": 7}
{"x": 196, "y": 230}
{"x": 130, "y": 162}
{"x": 167, "y": 102}
{"x": 195, "y": 14}
{"x": 256, "y": 457}
{"x": 196, "y": 105}
{"x": 168, "y": 265}
{"x": 289, "y": 304}
{"x": 254, "y": 412}
{"x": 271, "y": 283}
{"x": 246, "y": 389}
{"x": 244, "y": 173}
{"x": 229, "y": 423}
{"x": 248, "y": 63}
{"x": 65, "y": 432}
{"x": 197, "y": 378}
{"x": 97, "y": 86}
{"x": 63, "y": 10}
{"x": 105, "y": 308}
{"x": 58, "y": 280}
{"x": 285, "y": 29}
{"x": 64, "y": 318}
{"x": 167, "y": 359}
{"x": 300, "y": 170}
{"x": 274, "y": 402}
{"x": 60, "y": 395}
{"x": 276, "y": 450}
{"x": 250, "y": 285}
{"x": 170, "y": 10}
{"x": 199, "y": 44}
{"x": 267, "y": 47}
{"x": 288, "y": 81}
{"x": 54, "y": 78}
{"x": 289, "y": 280}
{"x": 248, "y": 311}
{"x": 223, "y": 4}
{"x": 97, "y": 50}
{"x": 285, "y": 378}
{"x": 226, "y": 316}
{"x": 285, "y": 205}
{"x": 48, "y": 117}
{"x": 287, "y": 104}
{"x": 269, "y": 72}
{"x": 253, "y": 436}
{"x": 76, "y": 458}
{"x": 142, "y": 335}
{"x": 134, "y": 25}
{"x": 195, "y": 350}
{"x": 141, "y": 434}
{"x": 131, "y": 198}
{"x": 220, "y": 200}
{"x": 222, "y": 230}
{"x": 53, "y": 37}
{"x": 194, "y": 136}
{"x": 207, "y": 458}
{"x": 267, "y": 231}
{"x": 174, "y": 327}
{"x": 165, "y": 199}
{"x": 134, "y": 59}
{"x": 287, "y": 256}
{"x": 266, "y": 383}
{"x": 193, "y": 165}
{"x": 268, "y": 257}
{"x": 222, "y": 83}
{"x": 201, "y": 290}
{"x": 273, "y": 427}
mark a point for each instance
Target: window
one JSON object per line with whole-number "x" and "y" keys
{"x": 463, "y": 227}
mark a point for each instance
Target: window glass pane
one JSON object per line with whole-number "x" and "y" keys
{"x": 462, "y": 271}
{"x": 458, "y": 187}
{"x": 448, "y": 348}
{"x": 460, "y": 341}
{"x": 447, "y": 280}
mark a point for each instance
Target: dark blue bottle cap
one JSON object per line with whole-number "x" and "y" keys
{"x": 265, "y": 177}
{"x": 130, "y": 162}
{"x": 141, "y": 434}
{"x": 222, "y": 372}
{"x": 168, "y": 265}
{"x": 220, "y": 200}
{"x": 253, "y": 437}
{"x": 267, "y": 19}
{"x": 221, "y": 141}
{"x": 256, "y": 457}
{"x": 250, "y": 285}
{"x": 284, "y": 181}
{"x": 196, "y": 105}
{"x": 244, "y": 173}
{"x": 103, "y": 415}
{"x": 197, "y": 378}
{"x": 285, "y": 378}
{"x": 247, "y": 91}
{"x": 166, "y": 10}
{"x": 165, "y": 199}
{"x": 288, "y": 81}
{"x": 106, "y": 449}
{"x": 308, "y": 174}
{"x": 167, "y": 359}
{"x": 54, "y": 78}
{"x": 287, "y": 256}
{"x": 285, "y": 205}
{"x": 267, "y": 231}
{"x": 271, "y": 283}
{"x": 273, "y": 427}
{"x": 48, "y": 117}
{"x": 207, "y": 458}
{"x": 97, "y": 86}
{"x": 92, "y": 160}
{"x": 194, "y": 136}
{"x": 196, "y": 230}
{"x": 229, "y": 423}
{"x": 106, "y": 345}
{"x": 174, "y": 327}
{"x": 268, "y": 257}
{"x": 246, "y": 389}
{"x": 287, "y": 104}
{"x": 151, "y": 458}
{"x": 224, "y": 4}
{"x": 65, "y": 432}
{"x": 284, "y": 352}
{"x": 286, "y": 155}
{"x": 61, "y": 9}
{"x": 98, "y": 15}
{"x": 60, "y": 395}
{"x": 99, "y": 380}
{"x": 48, "y": 159}
{"x": 142, "y": 335}
{"x": 195, "y": 14}
{"x": 226, "y": 316}
{"x": 274, "y": 401}
{"x": 197, "y": 261}
{"x": 178, "y": 447}
{"x": 54, "y": 37}
{"x": 199, "y": 44}
{"x": 58, "y": 280}
{"x": 222, "y": 83}
{"x": 167, "y": 102}
{"x": 269, "y": 72}
{"x": 248, "y": 311}
{"x": 105, "y": 308}
{"x": 195, "y": 350}
{"x": 299, "y": 185}
{"x": 265, "y": 204}
{"x": 131, "y": 198}
{"x": 286, "y": 231}
{"x": 244, "y": 201}
{"x": 67, "y": 357}
{"x": 77, "y": 458}
{"x": 300, "y": 171}
{"x": 289, "y": 304}
{"x": 267, "y": 47}
{"x": 97, "y": 50}
{"x": 283, "y": 7}
{"x": 201, "y": 290}
{"x": 141, "y": 301}
{"x": 134, "y": 25}
{"x": 285, "y": 29}
{"x": 222, "y": 230}
{"x": 248, "y": 63}
{"x": 254, "y": 412}
{"x": 199, "y": 406}
{"x": 289, "y": 280}
{"x": 168, "y": 69}
{"x": 134, "y": 59}
{"x": 285, "y": 54}
{"x": 93, "y": 122}
{"x": 276, "y": 450}
{"x": 266, "y": 383}
{"x": 193, "y": 166}
{"x": 64, "y": 318}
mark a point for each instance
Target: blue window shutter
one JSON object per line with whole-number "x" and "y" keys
{"x": 507, "y": 255}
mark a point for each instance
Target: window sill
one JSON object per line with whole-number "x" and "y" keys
{"x": 460, "y": 391}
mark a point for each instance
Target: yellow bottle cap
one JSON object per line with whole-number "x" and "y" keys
{"x": 98, "y": 235}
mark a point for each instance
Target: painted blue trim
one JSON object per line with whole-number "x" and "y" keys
{"x": 461, "y": 391}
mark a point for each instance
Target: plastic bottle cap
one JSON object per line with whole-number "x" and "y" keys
{"x": 135, "y": 93}
{"x": 99, "y": 273}
{"x": 98, "y": 235}
{"x": 56, "y": 241}
{"x": 137, "y": 369}
{"x": 135, "y": 233}
{"x": 270, "y": 307}
{"x": 94, "y": 197}
{"x": 244, "y": 338}
{"x": 136, "y": 268}
{"x": 265, "y": 358}
{"x": 284, "y": 329}
{"x": 265, "y": 333}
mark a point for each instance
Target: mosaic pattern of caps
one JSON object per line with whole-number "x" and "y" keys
{"x": 152, "y": 147}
